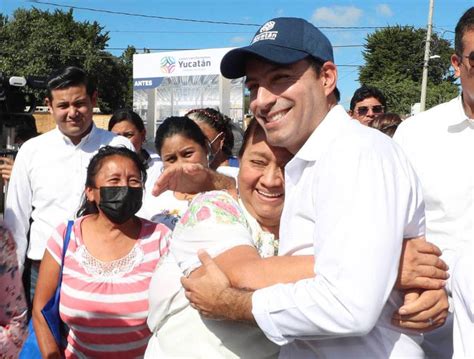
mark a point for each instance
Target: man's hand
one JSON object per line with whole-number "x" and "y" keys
{"x": 420, "y": 266}
{"x": 211, "y": 294}
{"x": 6, "y": 165}
{"x": 204, "y": 291}
{"x": 423, "y": 311}
{"x": 191, "y": 178}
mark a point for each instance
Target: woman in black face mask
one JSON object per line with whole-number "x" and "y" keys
{"x": 108, "y": 264}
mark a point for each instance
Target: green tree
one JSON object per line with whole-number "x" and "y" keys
{"x": 127, "y": 61}
{"x": 34, "y": 42}
{"x": 394, "y": 63}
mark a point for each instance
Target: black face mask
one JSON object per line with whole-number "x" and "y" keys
{"x": 120, "y": 203}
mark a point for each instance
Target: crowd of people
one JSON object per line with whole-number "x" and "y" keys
{"x": 325, "y": 237}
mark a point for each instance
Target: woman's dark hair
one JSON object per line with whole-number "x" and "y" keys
{"x": 128, "y": 115}
{"x": 180, "y": 125}
{"x": 68, "y": 77}
{"x": 386, "y": 123}
{"x": 219, "y": 122}
{"x": 252, "y": 128}
{"x": 96, "y": 164}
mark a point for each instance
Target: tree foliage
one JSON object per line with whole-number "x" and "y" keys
{"x": 394, "y": 63}
{"x": 34, "y": 42}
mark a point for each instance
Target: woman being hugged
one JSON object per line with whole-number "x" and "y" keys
{"x": 107, "y": 267}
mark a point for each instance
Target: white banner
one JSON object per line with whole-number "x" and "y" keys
{"x": 177, "y": 63}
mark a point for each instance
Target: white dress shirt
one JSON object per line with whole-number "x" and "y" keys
{"x": 350, "y": 199}
{"x": 439, "y": 143}
{"x": 463, "y": 298}
{"x": 46, "y": 185}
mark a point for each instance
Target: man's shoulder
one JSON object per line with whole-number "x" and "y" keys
{"x": 40, "y": 143}
{"x": 429, "y": 118}
{"x": 358, "y": 137}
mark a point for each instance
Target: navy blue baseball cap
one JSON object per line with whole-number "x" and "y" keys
{"x": 284, "y": 41}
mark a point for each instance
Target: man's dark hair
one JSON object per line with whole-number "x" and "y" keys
{"x": 367, "y": 92}
{"x": 68, "y": 77}
{"x": 465, "y": 23}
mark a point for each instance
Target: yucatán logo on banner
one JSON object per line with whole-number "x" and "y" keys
{"x": 168, "y": 64}
{"x": 265, "y": 32}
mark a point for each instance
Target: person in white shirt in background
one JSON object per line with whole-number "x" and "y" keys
{"x": 48, "y": 176}
{"x": 439, "y": 143}
{"x": 351, "y": 198}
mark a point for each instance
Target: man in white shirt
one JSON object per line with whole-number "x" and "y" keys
{"x": 351, "y": 197}
{"x": 49, "y": 173}
{"x": 440, "y": 143}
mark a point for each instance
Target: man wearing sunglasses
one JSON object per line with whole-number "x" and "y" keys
{"x": 367, "y": 103}
{"x": 440, "y": 143}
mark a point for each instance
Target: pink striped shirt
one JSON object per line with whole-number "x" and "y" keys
{"x": 105, "y": 304}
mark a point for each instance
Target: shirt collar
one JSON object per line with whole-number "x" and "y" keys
{"x": 324, "y": 134}
{"x": 83, "y": 141}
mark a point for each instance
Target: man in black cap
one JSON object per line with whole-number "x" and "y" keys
{"x": 350, "y": 199}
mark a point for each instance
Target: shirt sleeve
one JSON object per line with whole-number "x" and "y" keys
{"x": 13, "y": 311}
{"x": 19, "y": 203}
{"x": 360, "y": 198}
{"x": 214, "y": 222}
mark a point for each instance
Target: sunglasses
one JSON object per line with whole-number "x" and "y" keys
{"x": 364, "y": 110}
{"x": 470, "y": 57}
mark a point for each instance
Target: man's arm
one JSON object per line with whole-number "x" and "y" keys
{"x": 19, "y": 204}
{"x": 245, "y": 268}
{"x": 192, "y": 178}
{"x": 212, "y": 295}
{"x": 6, "y": 165}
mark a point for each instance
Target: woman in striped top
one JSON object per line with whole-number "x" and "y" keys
{"x": 108, "y": 265}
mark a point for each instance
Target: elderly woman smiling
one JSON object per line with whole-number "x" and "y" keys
{"x": 237, "y": 231}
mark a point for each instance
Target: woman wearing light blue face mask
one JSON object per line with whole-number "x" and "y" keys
{"x": 178, "y": 140}
{"x": 218, "y": 129}
{"x": 109, "y": 261}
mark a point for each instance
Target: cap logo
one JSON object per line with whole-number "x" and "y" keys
{"x": 268, "y": 26}
{"x": 265, "y": 33}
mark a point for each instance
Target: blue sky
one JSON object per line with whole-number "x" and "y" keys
{"x": 154, "y": 33}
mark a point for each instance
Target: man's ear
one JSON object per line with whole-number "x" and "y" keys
{"x": 456, "y": 63}
{"x": 49, "y": 103}
{"x": 94, "y": 99}
{"x": 329, "y": 77}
